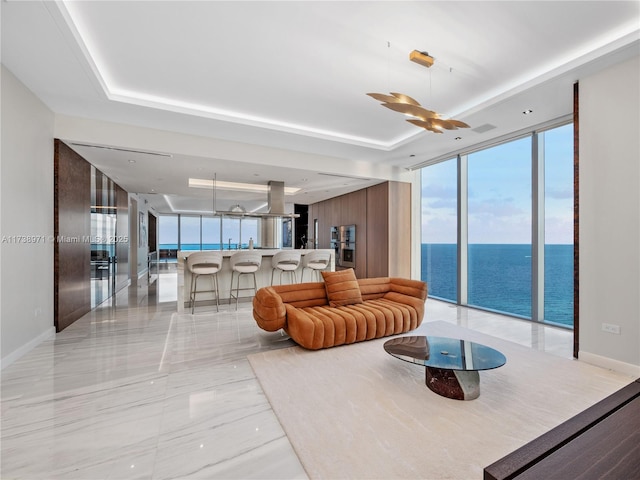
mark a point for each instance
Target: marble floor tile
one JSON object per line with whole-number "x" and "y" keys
{"x": 141, "y": 389}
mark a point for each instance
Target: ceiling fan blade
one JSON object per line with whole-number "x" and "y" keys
{"x": 424, "y": 124}
{"x": 419, "y": 123}
{"x": 427, "y": 119}
{"x": 413, "y": 110}
{"x": 443, "y": 124}
{"x": 458, "y": 123}
{"x": 405, "y": 98}
{"x": 384, "y": 98}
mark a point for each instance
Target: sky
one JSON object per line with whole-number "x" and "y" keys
{"x": 499, "y": 193}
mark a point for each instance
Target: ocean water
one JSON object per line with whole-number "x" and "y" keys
{"x": 196, "y": 246}
{"x": 499, "y": 278}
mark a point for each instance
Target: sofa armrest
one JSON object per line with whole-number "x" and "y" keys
{"x": 269, "y": 310}
{"x": 407, "y": 286}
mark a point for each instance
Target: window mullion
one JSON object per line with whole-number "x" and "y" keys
{"x": 463, "y": 238}
{"x": 537, "y": 227}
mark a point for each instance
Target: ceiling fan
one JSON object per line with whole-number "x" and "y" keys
{"x": 427, "y": 119}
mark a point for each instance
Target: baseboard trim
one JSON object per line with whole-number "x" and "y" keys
{"x": 27, "y": 347}
{"x": 610, "y": 364}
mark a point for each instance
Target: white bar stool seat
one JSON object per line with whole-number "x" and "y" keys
{"x": 244, "y": 263}
{"x": 285, "y": 261}
{"x": 204, "y": 263}
{"x": 315, "y": 261}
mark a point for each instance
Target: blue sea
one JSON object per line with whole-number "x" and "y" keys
{"x": 499, "y": 278}
{"x": 196, "y": 246}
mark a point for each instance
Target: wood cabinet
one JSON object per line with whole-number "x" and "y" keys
{"x": 389, "y": 230}
{"x": 382, "y": 216}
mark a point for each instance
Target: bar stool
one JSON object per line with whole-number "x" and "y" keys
{"x": 204, "y": 263}
{"x": 244, "y": 263}
{"x": 285, "y": 261}
{"x": 316, "y": 261}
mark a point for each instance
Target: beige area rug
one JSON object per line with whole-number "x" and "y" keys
{"x": 356, "y": 412}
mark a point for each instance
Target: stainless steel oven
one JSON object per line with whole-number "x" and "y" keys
{"x": 348, "y": 258}
{"x": 343, "y": 241}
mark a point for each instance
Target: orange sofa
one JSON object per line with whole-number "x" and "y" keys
{"x": 386, "y": 306}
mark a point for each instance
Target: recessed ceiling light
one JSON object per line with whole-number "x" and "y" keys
{"x": 527, "y": 112}
{"x": 458, "y": 138}
{"x": 412, "y": 155}
{"x": 132, "y": 161}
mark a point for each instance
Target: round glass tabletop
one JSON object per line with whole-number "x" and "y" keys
{"x": 446, "y": 353}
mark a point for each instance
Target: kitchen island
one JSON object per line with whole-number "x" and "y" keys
{"x": 263, "y": 277}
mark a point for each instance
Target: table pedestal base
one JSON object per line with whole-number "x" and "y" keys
{"x": 456, "y": 384}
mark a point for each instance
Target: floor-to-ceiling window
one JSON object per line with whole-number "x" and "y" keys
{"x": 497, "y": 227}
{"x": 211, "y": 233}
{"x": 250, "y": 228}
{"x": 168, "y": 238}
{"x": 199, "y": 232}
{"x": 439, "y": 229}
{"x": 231, "y": 233}
{"x": 190, "y": 232}
{"x": 558, "y": 229}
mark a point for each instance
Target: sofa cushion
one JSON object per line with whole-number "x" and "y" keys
{"x": 325, "y": 326}
{"x": 342, "y": 288}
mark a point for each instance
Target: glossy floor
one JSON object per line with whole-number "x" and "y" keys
{"x": 140, "y": 389}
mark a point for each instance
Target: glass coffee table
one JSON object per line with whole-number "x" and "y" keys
{"x": 452, "y": 364}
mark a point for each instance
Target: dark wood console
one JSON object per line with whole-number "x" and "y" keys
{"x": 601, "y": 442}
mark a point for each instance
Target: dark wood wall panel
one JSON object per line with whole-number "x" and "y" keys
{"x": 382, "y": 216}
{"x": 378, "y": 230}
{"x": 576, "y": 219}
{"x": 72, "y": 229}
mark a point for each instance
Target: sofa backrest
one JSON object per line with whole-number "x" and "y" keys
{"x": 373, "y": 288}
{"x": 300, "y": 295}
{"x": 314, "y": 294}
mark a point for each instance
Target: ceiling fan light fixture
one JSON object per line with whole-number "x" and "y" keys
{"x": 421, "y": 58}
{"x": 421, "y": 117}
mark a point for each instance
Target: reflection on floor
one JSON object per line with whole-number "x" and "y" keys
{"x": 136, "y": 389}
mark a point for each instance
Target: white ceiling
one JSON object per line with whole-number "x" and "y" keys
{"x": 291, "y": 77}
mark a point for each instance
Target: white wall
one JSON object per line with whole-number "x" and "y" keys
{"x": 610, "y": 216}
{"x": 26, "y": 212}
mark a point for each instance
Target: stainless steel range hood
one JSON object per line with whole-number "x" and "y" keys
{"x": 275, "y": 204}
{"x": 271, "y": 224}
{"x": 275, "y": 197}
